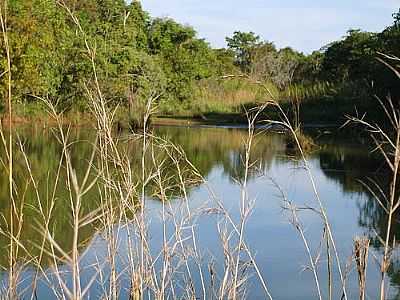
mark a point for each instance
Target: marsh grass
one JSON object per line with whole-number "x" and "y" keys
{"x": 307, "y": 143}
{"x": 229, "y": 95}
{"x": 177, "y": 268}
{"x": 169, "y": 272}
{"x": 234, "y": 94}
{"x": 226, "y": 96}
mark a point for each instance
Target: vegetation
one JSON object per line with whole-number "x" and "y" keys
{"x": 136, "y": 55}
{"x": 102, "y": 56}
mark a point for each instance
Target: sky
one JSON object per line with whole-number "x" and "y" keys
{"x": 305, "y": 25}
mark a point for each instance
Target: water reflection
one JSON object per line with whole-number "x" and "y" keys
{"x": 216, "y": 153}
{"x": 359, "y": 172}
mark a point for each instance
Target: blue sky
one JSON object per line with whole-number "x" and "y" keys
{"x": 305, "y": 25}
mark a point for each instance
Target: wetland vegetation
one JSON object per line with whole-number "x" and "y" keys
{"x": 244, "y": 210}
{"x": 136, "y": 55}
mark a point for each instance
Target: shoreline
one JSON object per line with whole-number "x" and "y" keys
{"x": 84, "y": 120}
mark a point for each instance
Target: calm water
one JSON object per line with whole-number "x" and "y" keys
{"x": 217, "y": 153}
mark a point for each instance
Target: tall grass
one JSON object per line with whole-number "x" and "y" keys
{"x": 122, "y": 210}
{"x": 387, "y": 143}
{"x": 171, "y": 270}
{"x": 233, "y": 95}
{"x": 14, "y": 213}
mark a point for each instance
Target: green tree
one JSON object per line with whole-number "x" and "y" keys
{"x": 242, "y": 43}
{"x": 184, "y": 57}
{"x": 352, "y": 58}
{"x": 38, "y": 40}
{"x": 225, "y": 59}
{"x": 309, "y": 68}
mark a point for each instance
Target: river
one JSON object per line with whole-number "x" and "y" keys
{"x": 337, "y": 165}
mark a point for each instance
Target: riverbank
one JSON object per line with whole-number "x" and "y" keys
{"x": 323, "y": 112}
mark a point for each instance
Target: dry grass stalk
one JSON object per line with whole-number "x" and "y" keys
{"x": 361, "y": 248}
{"x": 387, "y": 143}
{"x": 123, "y": 209}
{"x": 294, "y": 219}
{"x": 321, "y": 211}
{"x": 117, "y": 189}
{"x": 15, "y": 215}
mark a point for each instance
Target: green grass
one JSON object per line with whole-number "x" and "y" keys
{"x": 225, "y": 101}
{"x": 319, "y": 103}
{"x": 216, "y": 97}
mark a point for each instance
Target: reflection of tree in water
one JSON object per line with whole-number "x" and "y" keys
{"x": 208, "y": 148}
{"x": 205, "y": 148}
{"x": 44, "y": 153}
{"x": 347, "y": 166}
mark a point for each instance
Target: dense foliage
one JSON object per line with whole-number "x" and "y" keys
{"x": 137, "y": 56}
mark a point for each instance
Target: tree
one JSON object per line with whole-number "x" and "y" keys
{"x": 352, "y": 58}
{"x": 261, "y": 56}
{"x": 184, "y": 57}
{"x": 309, "y": 68}
{"x": 39, "y": 39}
{"x": 225, "y": 59}
{"x": 396, "y": 17}
{"x": 276, "y": 66}
{"x": 242, "y": 43}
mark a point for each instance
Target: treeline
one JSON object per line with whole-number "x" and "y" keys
{"x": 134, "y": 54}
{"x": 353, "y": 60}
{"x": 137, "y": 56}
{"x": 340, "y": 79}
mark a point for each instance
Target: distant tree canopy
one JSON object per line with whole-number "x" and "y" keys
{"x": 48, "y": 52}
{"x": 354, "y": 59}
{"x": 137, "y": 55}
{"x": 351, "y": 60}
{"x": 242, "y": 44}
{"x": 184, "y": 58}
{"x": 133, "y": 51}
